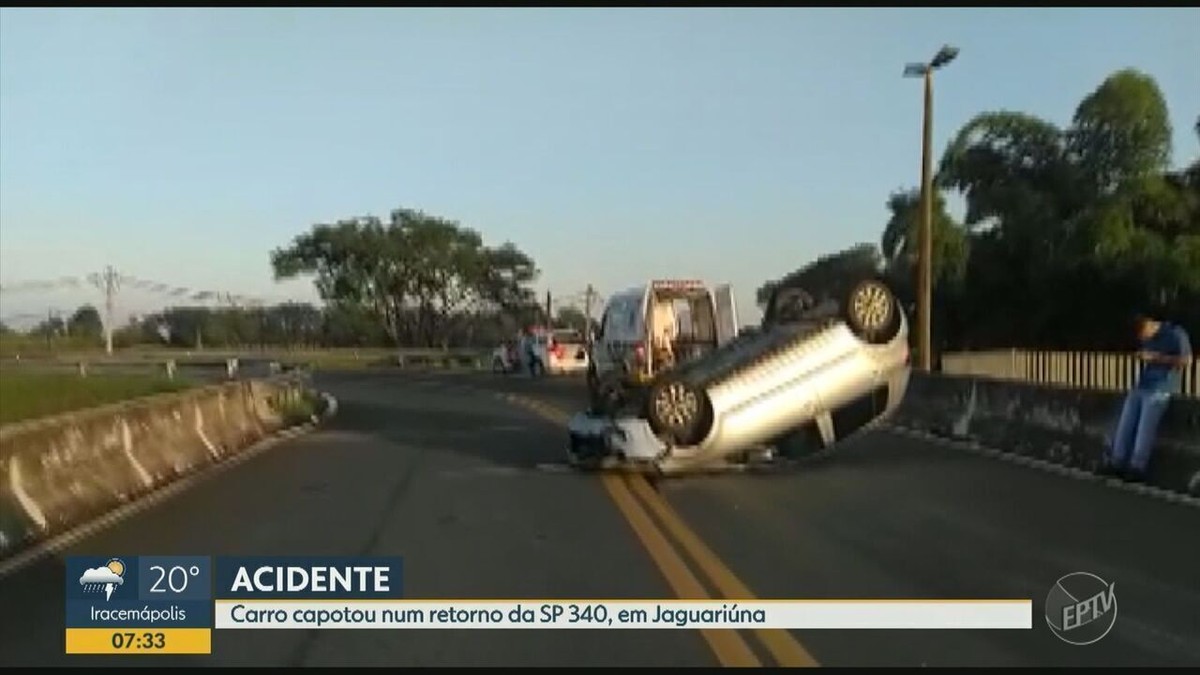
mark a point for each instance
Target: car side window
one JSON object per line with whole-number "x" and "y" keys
{"x": 617, "y": 319}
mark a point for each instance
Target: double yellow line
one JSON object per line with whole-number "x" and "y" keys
{"x": 657, "y": 525}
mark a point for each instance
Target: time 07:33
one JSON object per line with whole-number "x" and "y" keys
{"x": 139, "y": 640}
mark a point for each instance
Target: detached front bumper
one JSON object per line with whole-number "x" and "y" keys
{"x": 593, "y": 439}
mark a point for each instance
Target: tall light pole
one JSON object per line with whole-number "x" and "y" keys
{"x": 587, "y": 313}
{"x": 925, "y": 236}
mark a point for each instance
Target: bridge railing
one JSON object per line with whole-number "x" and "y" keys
{"x": 1084, "y": 370}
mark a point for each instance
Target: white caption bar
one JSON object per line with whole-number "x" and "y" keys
{"x": 625, "y": 614}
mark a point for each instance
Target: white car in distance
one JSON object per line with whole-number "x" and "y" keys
{"x": 557, "y": 351}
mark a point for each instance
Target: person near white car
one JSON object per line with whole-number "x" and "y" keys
{"x": 539, "y": 351}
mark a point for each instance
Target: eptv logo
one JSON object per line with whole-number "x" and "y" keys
{"x": 1081, "y": 608}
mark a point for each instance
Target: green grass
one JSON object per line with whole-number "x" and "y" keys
{"x": 25, "y": 396}
{"x": 300, "y": 409}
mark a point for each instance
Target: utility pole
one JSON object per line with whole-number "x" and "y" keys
{"x": 50, "y": 330}
{"x": 107, "y": 281}
{"x": 588, "y": 294}
{"x": 549, "y": 312}
{"x": 925, "y": 237}
{"x": 924, "y": 260}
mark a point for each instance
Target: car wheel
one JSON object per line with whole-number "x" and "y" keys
{"x": 677, "y": 410}
{"x": 871, "y": 312}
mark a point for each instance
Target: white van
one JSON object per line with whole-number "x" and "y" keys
{"x": 649, "y": 329}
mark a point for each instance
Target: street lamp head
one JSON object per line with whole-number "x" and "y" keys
{"x": 915, "y": 70}
{"x": 945, "y": 55}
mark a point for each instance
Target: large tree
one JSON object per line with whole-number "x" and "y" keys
{"x": 414, "y": 274}
{"x": 1066, "y": 231}
{"x": 901, "y": 238}
{"x": 86, "y": 323}
{"x": 1072, "y": 229}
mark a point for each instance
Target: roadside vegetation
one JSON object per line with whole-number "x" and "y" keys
{"x": 29, "y": 395}
{"x": 1067, "y": 230}
{"x": 300, "y": 409}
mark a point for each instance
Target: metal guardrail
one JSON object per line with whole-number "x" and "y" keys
{"x": 228, "y": 369}
{"x": 1084, "y": 370}
{"x": 213, "y": 367}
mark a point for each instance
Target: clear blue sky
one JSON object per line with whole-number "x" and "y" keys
{"x": 612, "y": 145}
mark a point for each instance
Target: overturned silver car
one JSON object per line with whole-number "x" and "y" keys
{"x": 826, "y": 364}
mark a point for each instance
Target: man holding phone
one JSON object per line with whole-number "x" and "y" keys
{"x": 1165, "y": 352}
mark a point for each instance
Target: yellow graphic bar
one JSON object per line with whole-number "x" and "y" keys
{"x": 139, "y": 641}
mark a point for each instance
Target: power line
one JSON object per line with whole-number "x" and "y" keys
{"x": 110, "y": 277}
{"x": 41, "y": 285}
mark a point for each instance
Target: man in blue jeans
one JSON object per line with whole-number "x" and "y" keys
{"x": 1165, "y": 353}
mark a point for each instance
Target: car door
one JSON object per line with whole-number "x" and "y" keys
{"x": 602, "y": 351}
{"x": 725, "y": 313}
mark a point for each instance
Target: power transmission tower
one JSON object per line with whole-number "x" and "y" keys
{"x": 107, "y": 281}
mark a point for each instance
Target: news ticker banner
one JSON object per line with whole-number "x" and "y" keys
{"x": 165, "y": 604}
{"x": 171, "y": 605}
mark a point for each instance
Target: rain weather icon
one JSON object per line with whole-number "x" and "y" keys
{"x": 105, "y": 578}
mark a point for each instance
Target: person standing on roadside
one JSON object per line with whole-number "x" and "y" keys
{"x": 1165, "y": 352}
{"x": 531, "y": 353}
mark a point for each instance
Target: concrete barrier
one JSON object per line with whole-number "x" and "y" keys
{"x": 60, "y": 471}
{"x": 1070, "y": 427}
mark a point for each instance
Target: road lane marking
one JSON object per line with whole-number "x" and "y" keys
{"x": 728, "y": 645}
{"x": 783, "y": 646}
{"x": 1073, "y": 472}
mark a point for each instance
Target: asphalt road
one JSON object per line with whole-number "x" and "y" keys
{"x": 466, "y": 484}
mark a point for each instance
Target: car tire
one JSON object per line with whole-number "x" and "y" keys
{"x": 678, "y": 410}
{"x": 871, "y": 312}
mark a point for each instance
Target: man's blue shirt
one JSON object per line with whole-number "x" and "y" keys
{"x": 1169, "y": 340}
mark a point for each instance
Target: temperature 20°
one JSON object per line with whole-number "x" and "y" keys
{"x": 175, "y": 578}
